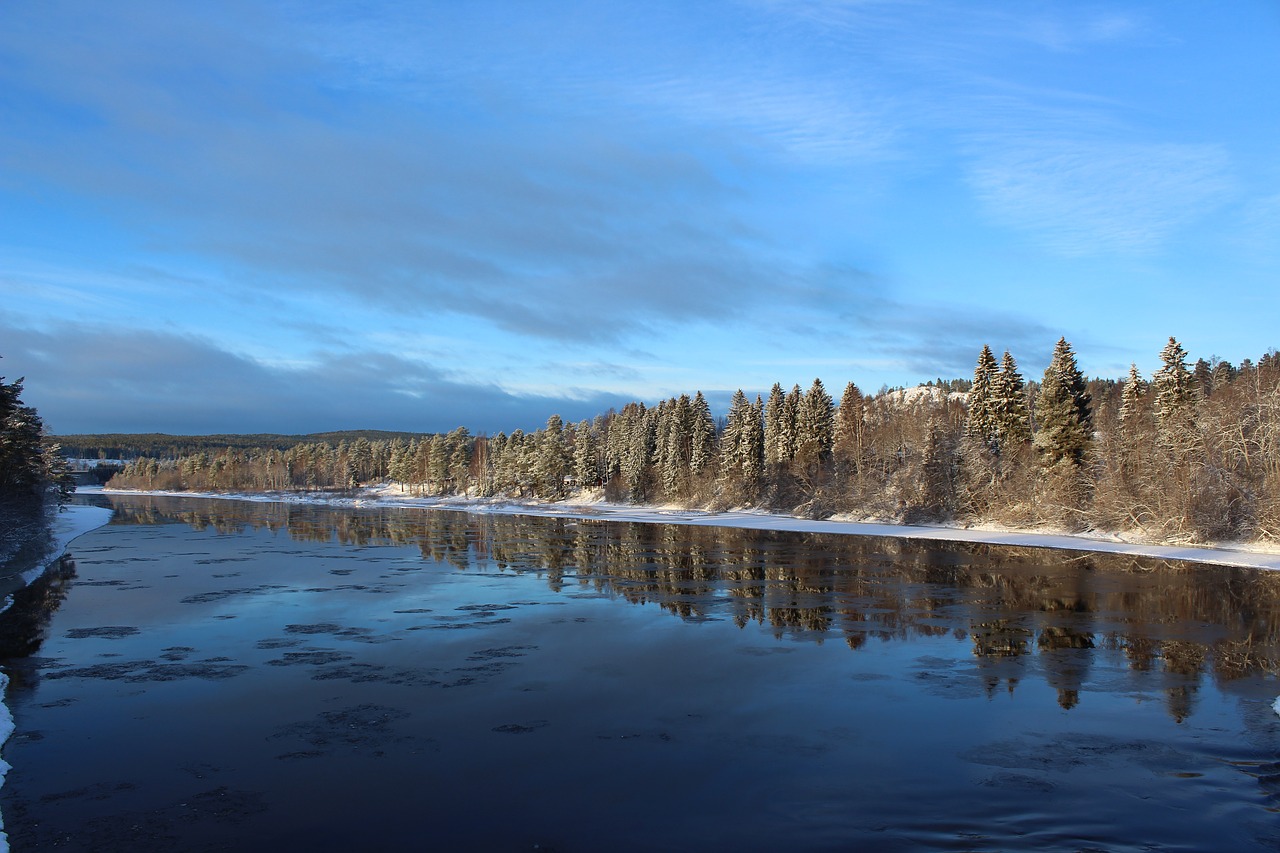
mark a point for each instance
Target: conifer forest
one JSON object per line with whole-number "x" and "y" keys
{"x": 1189, "y": 454}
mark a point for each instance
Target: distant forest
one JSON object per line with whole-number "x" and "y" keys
{"x": 126, "y": 446}
{"x": 1191, "y": 455}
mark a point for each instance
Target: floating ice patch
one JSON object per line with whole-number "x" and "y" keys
{"x": 1275, "y": 706}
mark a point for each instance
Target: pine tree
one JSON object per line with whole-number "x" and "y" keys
{"x": 1063, "y": 409}
{"x": 1009, "y": 405}
{"x": 980, "y": 425}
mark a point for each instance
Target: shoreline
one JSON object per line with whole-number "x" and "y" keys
{"x": 70, "y": 523}
{"x": 388, "y": 496}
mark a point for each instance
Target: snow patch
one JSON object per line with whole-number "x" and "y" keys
{"x": 6, "y": 729}
{"x": 389, "y": 495}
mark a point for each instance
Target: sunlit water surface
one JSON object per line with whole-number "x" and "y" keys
{"x": 215, "y": 675}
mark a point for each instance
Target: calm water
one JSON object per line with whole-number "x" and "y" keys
{"x": 214, "y": 675}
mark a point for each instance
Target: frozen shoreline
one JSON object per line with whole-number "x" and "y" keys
{"x": 71, "y": 522}
{"x": 1221, "y": 555}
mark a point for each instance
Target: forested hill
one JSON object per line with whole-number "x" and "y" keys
{"x": 163, "y": 446}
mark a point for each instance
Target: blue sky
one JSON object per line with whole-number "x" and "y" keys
{"x": 303, "y": 216}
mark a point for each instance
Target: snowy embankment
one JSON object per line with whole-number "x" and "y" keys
{"x": 70, "y": 523}
{"x": 1224, "y": 554}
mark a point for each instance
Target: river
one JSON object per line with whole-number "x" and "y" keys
{"x": 222, "y": 675}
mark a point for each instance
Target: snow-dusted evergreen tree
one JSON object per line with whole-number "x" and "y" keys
{"x": 702, "y": 438}
{"x": 787, "y": 434}
{"x": 774, "y": 431}
{"x": 1133, "y": 438}
{"x": 459, "y": 443}
{"x": 1009, "y": 405}
{"x": 1176, "y": 397}
{"x": 1131, "y": 396}
{"x": 980, "y": 424}
{"x": 438, "y": 464}
{"x": 815, "y": 425}
{"x": 400, "y": 467}
{"x": 1064, "y": 411}
{"x": 674, "y": 430}
{"x": 753, "y": 448}
{"x": 742, "y": 447}
{"x": 586, "y": 461}
{"x": 1223, "y": 374}
{"x": 640, "y": 428}
{"x": 850, "y": 428}
{"x": 731, "y": 438}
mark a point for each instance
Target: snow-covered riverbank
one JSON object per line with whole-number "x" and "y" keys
{"x": 71, "y": 522}
{"x": 1248, "y": 556}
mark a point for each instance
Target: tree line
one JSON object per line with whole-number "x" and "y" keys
{"x": 1192, "y": 454}
{"x": 123, "y": 446}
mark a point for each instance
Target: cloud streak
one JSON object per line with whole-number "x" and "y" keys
{"x": 94, "y": 379}
{"x": 1082, "y": 197}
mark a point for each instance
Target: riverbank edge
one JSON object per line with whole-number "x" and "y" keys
{"x": 1221, "y": 554}
{"x": 70, "y": 523}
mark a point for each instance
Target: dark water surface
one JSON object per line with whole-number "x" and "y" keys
{"x": 216, "y": 675}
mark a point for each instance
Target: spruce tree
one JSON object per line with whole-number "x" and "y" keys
{"x": 1063, "y": 409}
{"x": 815, "y": 425}
{"x": 1009, "y": 405}
{"x": 702, "y": 439}
{"x": 753, "y": 448}
{"x": 742, "y": 447}
{"x": 731, "y": 462}
{"x": 774, "y": 432}
{"x": 1131, "y": 396}
{"x": 847, "y": 438}
{"x": 1203, "y": 377}
{"x": 790, "y": 418}
{"x": 1176, "y": 397}
{"x": 586, "y": 463}
{"x": 980, "y": 424}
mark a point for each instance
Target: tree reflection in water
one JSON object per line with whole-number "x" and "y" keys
{"x": 1182, "y": 621}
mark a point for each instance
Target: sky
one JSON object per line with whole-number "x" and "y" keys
{"x": 304, "y": 216}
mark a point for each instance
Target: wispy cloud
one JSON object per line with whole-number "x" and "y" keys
{"x": 1083, "y": 197}
{"x": 89, "y": 378}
